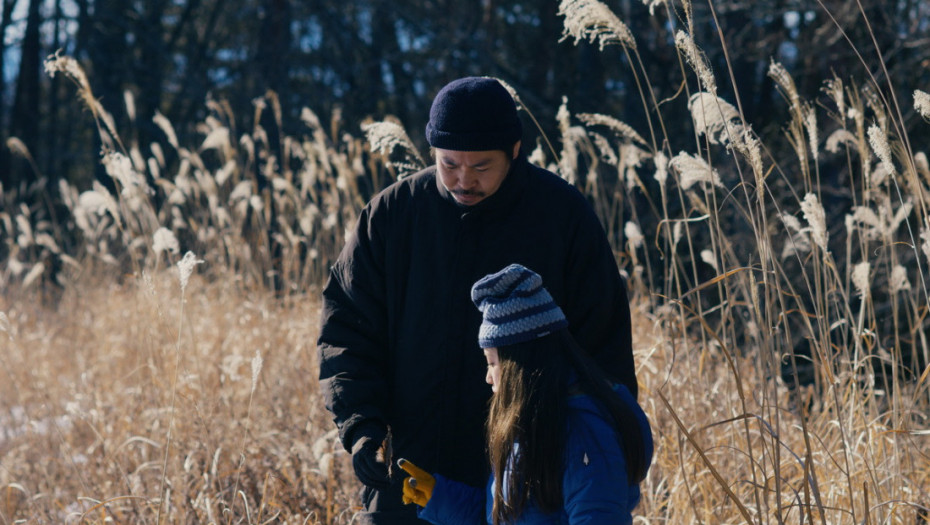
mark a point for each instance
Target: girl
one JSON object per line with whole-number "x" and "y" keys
{"x": 566, "y": 445}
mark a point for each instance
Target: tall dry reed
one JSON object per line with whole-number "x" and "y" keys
{"x": 781, "y": 324}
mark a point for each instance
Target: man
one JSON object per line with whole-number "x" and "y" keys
{"x": 397, "y": 343}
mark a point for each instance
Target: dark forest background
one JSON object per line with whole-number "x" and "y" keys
{"x": 348, "y": 60}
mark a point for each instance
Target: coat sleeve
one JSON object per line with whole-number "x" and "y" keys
{"x": 352, "y": 345}
{"x": 598, "y": 306}
{"x": 455, "y": 503}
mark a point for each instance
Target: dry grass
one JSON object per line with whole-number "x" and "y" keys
{"x": 781, "y": 324}
{"x": 100, "y": 390}
{"x": 87, "y": 413}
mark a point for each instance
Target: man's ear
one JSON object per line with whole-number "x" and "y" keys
{"x": 516, "y": 150}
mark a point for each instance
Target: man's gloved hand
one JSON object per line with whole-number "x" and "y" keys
{"x": 418, "y": 488}
{"x": 369, "y": 467}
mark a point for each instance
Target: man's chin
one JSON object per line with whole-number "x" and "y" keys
{"x": 468, "y": 199}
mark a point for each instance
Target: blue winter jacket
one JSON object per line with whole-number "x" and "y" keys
{"x": 595, "y": 489}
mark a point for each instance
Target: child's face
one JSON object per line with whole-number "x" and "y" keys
{"x": 494, "y": 370}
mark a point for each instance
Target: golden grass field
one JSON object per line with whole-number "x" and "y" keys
{"x": 124, "y": 392}
{"x": 781, "y": 339}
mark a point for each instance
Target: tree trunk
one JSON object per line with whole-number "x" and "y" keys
{"x": 24, "y": 123}
{"x": 5, "y": 19}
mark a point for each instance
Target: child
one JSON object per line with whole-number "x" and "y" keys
{"x": 566, "y": 446}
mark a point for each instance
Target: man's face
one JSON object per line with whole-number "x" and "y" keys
{"x": 472, "y": 176}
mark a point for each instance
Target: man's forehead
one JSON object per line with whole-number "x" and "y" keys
{"x": 472, "y": 158}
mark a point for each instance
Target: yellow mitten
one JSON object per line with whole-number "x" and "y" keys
{"x": 418, "y": 488}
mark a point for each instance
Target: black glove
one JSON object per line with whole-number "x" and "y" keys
{"x": 369, "y": 465}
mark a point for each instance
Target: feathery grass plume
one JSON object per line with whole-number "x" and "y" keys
{"x": 538, "y": 156}
{"x": 47, "y": 241}
{"x": 154, "y": 165}
{"x": 568, "y": 160}
{"x": 898, "y": 282}
{"x": 865, "y": 216}
{"x": 18, "y": 147}
{"x": 708, "y": 257}
{"x": 513, "y": 93}
{"x": 165, "y": 241}
{"x": 99, "y": 201}
{"x": 810, "y": 124}
{"x": 816, "y": 219}
{"x": 25, "y": 238}
{"x": 165, "y": 125}
{"x": 593, "y": 21}
{"x": 631, "y": 157}
{"x": 634, "y": 235}
{"x": 652, "y": 4}
{"x": 920, "y": 159}
{"x": 34, "y": 273}
{"x": 384, "y": 137}
{"x": 713, "y": 116}
{"x": 5, "y": 325}
{"x": 879, "y": 142}
{"x": 606, "y": 150}
{"x": 149, "y": 284}
{"x": 874, "y": 101}
{"x": 780, "y": 75}
{"x": 223, "y": 174}
{"x": 922, "y": 103}
{"x": 798, "y": 242}
{"x": 120, "y": 168}
{"x": 57, "y": 63}
{"x": 217, "y": 138}
{"x": 186, "y": 268}
{"x": 623, "y": 130}
{"x": 751, "y": 148}
{"x": 838, "y": 138}
{"x": 893, "y": 222}
{"x": 70, "y": 67}
{"x": 661, "y": 163}
{"x": 692, "y": 170}
{"x": 923, "y": 167}
{"x": 791, "y": 222}
{"x": 860, "y": 278}
{"x": 130, "y": 102}
{"x": 836, "y": 91}
{"x": 879, "y": 174}
{"x": 925, "y": 236}
{"x": 695, "y": 58}
{"x": 256, "y": 369}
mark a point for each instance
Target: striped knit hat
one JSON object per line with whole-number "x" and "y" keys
{"x": 515, "y": 306}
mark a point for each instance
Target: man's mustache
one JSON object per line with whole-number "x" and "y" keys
{"x": 469, "y": 192}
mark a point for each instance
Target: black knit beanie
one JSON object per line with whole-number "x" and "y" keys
{"x": 473, "y": 114}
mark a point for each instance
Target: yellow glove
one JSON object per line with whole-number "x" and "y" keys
{"x": 418, "y": 488}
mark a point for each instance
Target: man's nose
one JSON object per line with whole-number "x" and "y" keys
{"x": 467, "y": 178}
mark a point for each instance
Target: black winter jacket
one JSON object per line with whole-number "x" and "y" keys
{"x": 398, "y": 340}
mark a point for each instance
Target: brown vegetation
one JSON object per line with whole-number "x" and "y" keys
{"x": 781, "y": 324}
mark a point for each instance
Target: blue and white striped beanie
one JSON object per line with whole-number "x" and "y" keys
{"x": 515, "y": 306}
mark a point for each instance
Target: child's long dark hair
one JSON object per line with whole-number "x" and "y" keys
{"x": 530, "y": 408}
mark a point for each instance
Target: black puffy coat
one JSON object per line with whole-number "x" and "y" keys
{"x": 398, "y": 340}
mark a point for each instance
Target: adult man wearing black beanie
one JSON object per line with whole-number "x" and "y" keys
{"x": 399, "y": 365}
